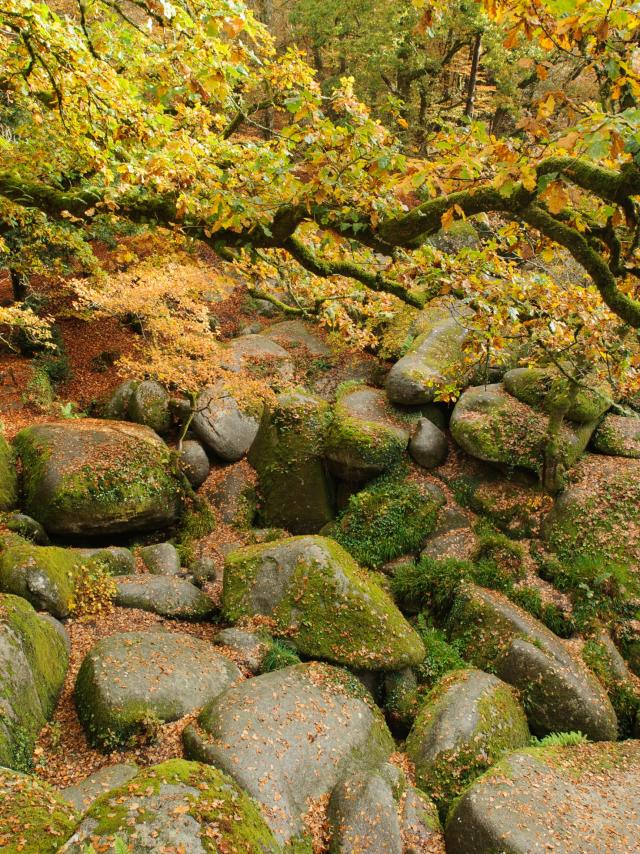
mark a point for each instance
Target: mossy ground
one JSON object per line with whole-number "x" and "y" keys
{"x": 8, "y": 477}
{"x": 33, "y": 818}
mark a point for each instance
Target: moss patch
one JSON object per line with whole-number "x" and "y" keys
{"x": 33, "y": 819}
{"x": 8, "y": 477}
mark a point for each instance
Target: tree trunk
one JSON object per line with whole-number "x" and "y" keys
{"x": 553, "y": 468}
{"x": 20, "y": 285}
{"x": 473, "y": 77}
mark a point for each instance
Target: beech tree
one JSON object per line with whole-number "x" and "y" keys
{"x": 152, "y": 112}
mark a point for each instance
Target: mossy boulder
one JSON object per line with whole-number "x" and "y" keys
{"x": 260, "y": 357}
{"x": 557, "y": 690}
{"x": 294, "y": 488}
{"x": 33, "y": 664}
{"x": 514, "y": 505}
{"x": 435, "y": 357}
{"x": 118, "y": 404}
{"x": 546, "y": 389}
{"x": 602, "y": 657}
{"x": 366, "y": 437}
{"x": 234, "y": 495}
{"x": 8, "y": 477}
{"x": 176, "y": 806}
{"x": 165, "y": 595}
{"x": 315, "y": 594}
{"x": 130, "y": 679}
{"x": 25, "y": 526}
{"x": 492, "y": 425}
{"x": 82, "y": 794}
{"x": 468, "y": 721}
{"x": 598, "y": 514}
{"x": 34, "y": 819}
{"x": 149, "y": 405}
{"x": 96, "y": 478}
{"x": 46, "y": 576}
{"x": 567, "y": 799}
{"x": 390, "y": 517}
{"x": 618, "y": 436}
{"x": 289, "y": 737}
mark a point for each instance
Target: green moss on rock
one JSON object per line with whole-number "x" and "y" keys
{"x": 319, "y": 598}
{"x": 33, "y": 818}
{"x": 8, "y": 477}
{"x": 544, "y": 388}
{"x": 172, "y": 803}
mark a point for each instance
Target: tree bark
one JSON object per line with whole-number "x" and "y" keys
{"x": 473, "y": 77}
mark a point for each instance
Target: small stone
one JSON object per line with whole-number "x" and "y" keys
{"x": 428, "y": 445}
{"x": 161, "y": 559}
{"x": 194, "y": 462}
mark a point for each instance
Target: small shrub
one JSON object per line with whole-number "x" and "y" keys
{"x": 431, "y": 584}
{"x": 498, "y": 549}
{"x": 560, "y": 739}
{"x": 389, "y": 518}
{"x": 440, "y": 658}
{"x": 39, "y": 390}
{"x": 280, "y": 654}
{"x": 197, "y": 522}
{"x": 94, "y": 592}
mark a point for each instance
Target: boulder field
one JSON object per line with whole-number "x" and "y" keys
{"x": 344, "y": 618}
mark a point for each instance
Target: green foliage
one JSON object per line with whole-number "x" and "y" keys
{"x": 279, "y": 655}
{"x": 197, "y": 522}
{"x": 624, "y": 696}
{"x": 389, "y": 518}
{"x": 39, "y": 391}
{"x": 548, "y": 613}
{"x": 440, "y": 658}
{"x": 601, "y": 591}
{"x": 560, "y": 739}
{"x": 497, "y": 548}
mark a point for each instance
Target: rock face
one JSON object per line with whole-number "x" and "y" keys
{"x": 84, "y": 793}
{"x": 428, "y": 445}
{"x": 496, "y": 427}
{"x": 34, "y": 818}
{"x": 619, "y": 436}
{"x": 177, "y": 806}
{"x": 599, "y": 511}
{"x": 540, "y": 388}
{"x": 318, "y": 597}
{"x": 224, "y": 426}
{"x": 149, "y": 405}
{"x": 291, "y": 736}
{"x": 292, "y": 334}
{"x": 96, "y": 478}
{"x": 161, "y": 559}
{"x": 164, "y": 595}
{"x": 434, "y": 357}
{"x": 287, "y": 455}
{"x": 8, "y": 477}
{"x": 259, "y": 355}
{"x": 129, "y": 678}
{"x": 234, "y": 495}
{"x": 364, "y": 439}
{"x": 581, "y": 798}
{"x": 194, "y": 462}
{"x": 45, "y": 576}
{"x": 558, "y": 692}
{"x": 33, "y": 664}
{"x": 467, "y": 723}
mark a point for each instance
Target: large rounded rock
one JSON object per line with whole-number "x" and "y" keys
{"x": 261, "y": 357}
{"x": 565, "y": 799}
{"x": 541, "y": 388}
{"x": 129, "y": 678}
{"x": 118, "y": 404}
{"x": 165, "y": 595}
{"x": 619, "y": 436}
{"x": 194, "y": 462}
{"x": 8, "y": 477}
{"x": 469, "y": 720}
{"x": 149, "y": 405}
{"x": 223, "y": 425}
{"x": 598, "y": 514}
{"x": 365, "y": 438}
{"x": 315, "y": 594}
{"x": 428, "y": 445}
{"x": 161, "y": 559}
{"x": 290, "y": 737}
{"x": 234, "y": 495}
{"x": 83, "y": 794}
{"x": 46, "y": 576}
{"x": 435, "y": 357}
{"x": 96, "y": 478}
{"x": 175, "y": 807}
{"x": 33, "y": 664}
{"x": 559, "y": 693}
{"x": 292, "y": 334}
{"x": 287, "y": 455}
{"x": 496, "y": 427}
{"x": 34, "y": 818}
